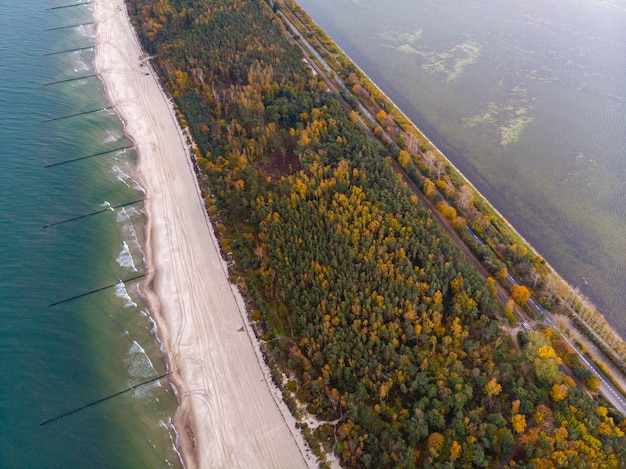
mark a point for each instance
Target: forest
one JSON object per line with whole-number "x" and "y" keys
{"x": 383, "y": 329}
{"x": 502, "y": 250}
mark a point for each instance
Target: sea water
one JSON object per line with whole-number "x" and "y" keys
{"x": 56, "y": 359}
{"x": 528, "y": 99}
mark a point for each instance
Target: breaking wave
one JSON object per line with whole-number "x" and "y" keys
{"x": 138, "y": 363}
{"x": 125, "y": 259}
{"x": 126, "y": 179}
{"x": 122, "y": 293}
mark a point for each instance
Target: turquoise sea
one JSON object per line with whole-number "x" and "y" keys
{"x": 55, "y": 359}
{"x": 528, "y": 100}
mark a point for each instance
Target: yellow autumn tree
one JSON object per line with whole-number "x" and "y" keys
{"x": 559, "y": 392}
{"x": 520, "y": 294}
{"x": 455, "y": 451}
{"x": 404, "y": 158}
{"x": 519, "y": 423}
{"x": 493, "y": 388}
{"x": 429, "y": 188}
{"x": 546, "y": 352}
{"x": 515, "y": 406}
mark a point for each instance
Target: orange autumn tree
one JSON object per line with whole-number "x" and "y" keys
{"x": 520, "y": 294}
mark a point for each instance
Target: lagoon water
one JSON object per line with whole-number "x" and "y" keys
{"x": 55, "y": 359}
{"x": 528, "y": 100}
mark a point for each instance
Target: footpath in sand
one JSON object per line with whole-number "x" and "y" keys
{"x": 228, "y": 416}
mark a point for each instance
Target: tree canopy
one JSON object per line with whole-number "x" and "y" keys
{"x": 385, "y": 327}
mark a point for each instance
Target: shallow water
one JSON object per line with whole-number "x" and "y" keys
{"x": 59, "y": 358}
{"x": 528, "y": 100}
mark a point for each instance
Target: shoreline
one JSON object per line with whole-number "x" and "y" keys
{"x": 229, "y": 414}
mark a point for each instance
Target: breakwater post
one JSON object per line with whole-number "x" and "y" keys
{"x": 70, "y": 79}
{"x": 69, "y": 26}
{"x": 70, "y": 5}
{"x": 88, "y": 156}
{"x": 97, "y": 290}
{"x": 45, "y": 422}
{"x": 93, "y": 213}
{"x": 65, "y": 51}
{"x": 78, "y": 114}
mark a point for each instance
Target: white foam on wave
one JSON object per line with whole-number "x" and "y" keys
{"x": 124, "y": 215}
{"x": 173, "y": 436}
{"x": 138, "y": 187}
{"x": 175, "y": 440}
{"x": 119, "y": 153}
{"x": 154, "y": 329}
{"x": 125, "y": 259}
{"x": 86, "y": 30}
{"x": 138, "y": 363}
{"x": 126, "y": 179}
{"x": 121, "y": 175}
{"x": 140, "y": 368}
{"x": 121, "y": 292}
{"x": 79, "y": 63}
{"x": 112, "y": 136}
{"x": 134, "y": 289}
{"x": 125, "y": 219}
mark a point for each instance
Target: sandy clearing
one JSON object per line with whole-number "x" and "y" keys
{"x": 228, "y": 416}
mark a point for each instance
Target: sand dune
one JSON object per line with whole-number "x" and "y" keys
{"x": 228, "y": 416}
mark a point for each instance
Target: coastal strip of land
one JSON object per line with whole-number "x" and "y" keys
{"x": 229, "y": 414}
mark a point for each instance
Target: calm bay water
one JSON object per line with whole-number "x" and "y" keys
{"x": 59, "y": 358}
{"x": 528, "y": 99}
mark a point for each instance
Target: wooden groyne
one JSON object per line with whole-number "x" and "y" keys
{"x": 82, "y": 295}
{"x": 91, "y": 404}
{"x": 67, "y": 50}
{"x": 69, "y": 26}
{"x": 93, "y": 213}
{"x": 69, "y": 79}
{"x": 88, "y": 156}
{"x": 108, "y": 108}
{"x": 70, "y": 5}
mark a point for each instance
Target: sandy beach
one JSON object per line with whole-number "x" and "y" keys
{"x": 229, "y": 413}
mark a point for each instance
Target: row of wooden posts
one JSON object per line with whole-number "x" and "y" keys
{"x": 137, "y": 277}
